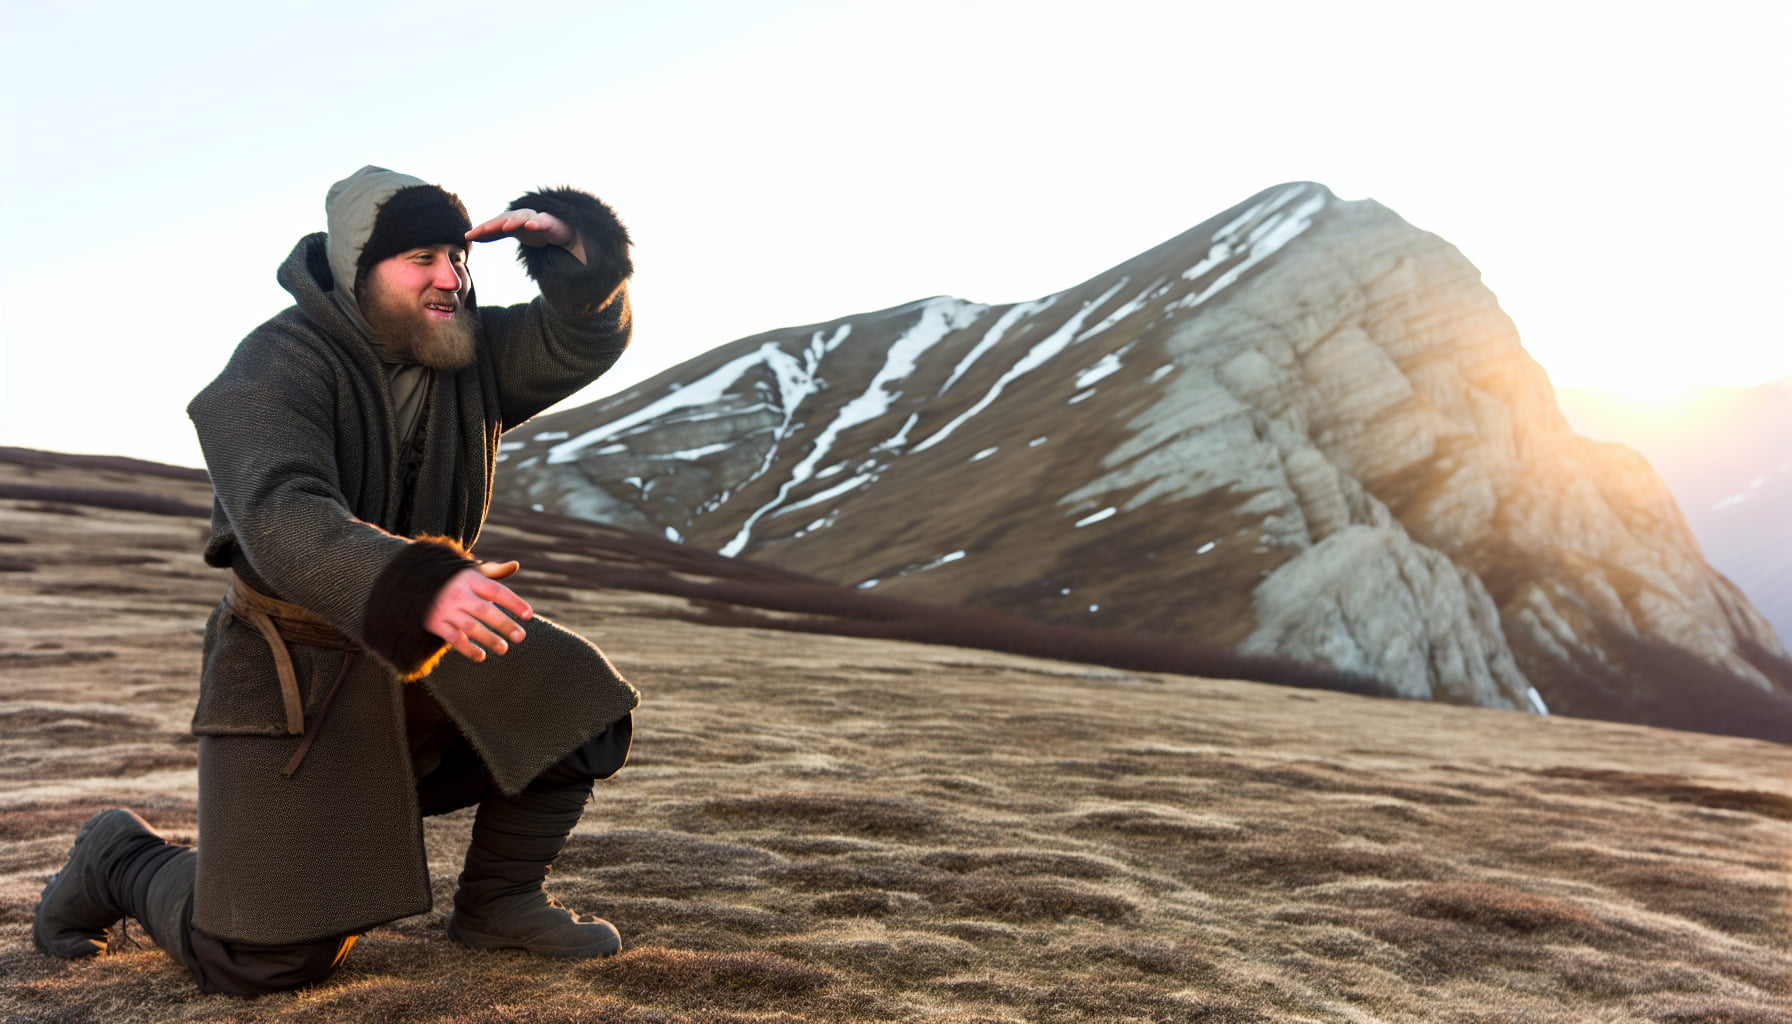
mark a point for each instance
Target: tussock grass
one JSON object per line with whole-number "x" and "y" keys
{"x": 1678, "y": 790}
{"x": 825, "y": 812}
{"x": 727, "y": 980}
{"x": 824, "y": 829}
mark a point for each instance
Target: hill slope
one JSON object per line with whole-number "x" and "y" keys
{"x": 831, "y": 829}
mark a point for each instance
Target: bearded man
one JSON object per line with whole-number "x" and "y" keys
{"x": 351, "y": 442}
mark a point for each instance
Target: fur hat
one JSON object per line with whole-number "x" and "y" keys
{"x": 375, "y": 213}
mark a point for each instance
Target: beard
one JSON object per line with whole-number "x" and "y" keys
{"x": 407, "y": 331}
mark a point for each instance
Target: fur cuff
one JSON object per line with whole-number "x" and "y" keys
{"x": 393, "y": 630}
{"x": 574, "y": 288}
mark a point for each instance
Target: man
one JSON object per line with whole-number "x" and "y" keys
{"x": 351, "y": 442}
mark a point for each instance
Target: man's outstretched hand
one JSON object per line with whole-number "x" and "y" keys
{"x": 530, "y": 228}
{"x": 469, "y": 611}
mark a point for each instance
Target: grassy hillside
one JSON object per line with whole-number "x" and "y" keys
{"x": 824, "y": 828}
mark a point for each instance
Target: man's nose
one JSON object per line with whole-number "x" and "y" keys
{"x": 448, "y": 276}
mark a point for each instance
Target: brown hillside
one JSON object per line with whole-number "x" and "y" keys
{"x": 822, "y": 828}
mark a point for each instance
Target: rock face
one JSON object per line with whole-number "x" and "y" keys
{"x": 1726, "y": 454}
{"x": 1302, "y": 428}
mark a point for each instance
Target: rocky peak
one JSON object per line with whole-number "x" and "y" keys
{"x": 1303, "y": 427}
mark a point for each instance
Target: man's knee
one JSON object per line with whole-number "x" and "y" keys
{"x": 237, "y": 969}
{"x": 599, "y": 757}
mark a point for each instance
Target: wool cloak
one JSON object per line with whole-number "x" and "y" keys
{"x": 317, "y": 503}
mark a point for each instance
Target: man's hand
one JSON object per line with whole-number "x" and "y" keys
{"x": 469, "y": 611}
{"x": 530, "y": 228}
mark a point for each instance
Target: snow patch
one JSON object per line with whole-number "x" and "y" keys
{"x": 1536, "y": 700}
{"x": 942, "y": 560}
{"x": 1209, "y": 546}
{"x": 673, "y": 535}
{"x": 1106, "y": 513}
{"x": 901, "y": 437}
{"x": 1036, "y": 442}
{"x": 551, "y": 435}
{"x": 700, "y": 392}
{"x": 1107, "y": 367}
{"x": 830, "y": 494}
{"x": 1268, "y": 234}
{"x": 984, "y": 454}
{"x": 994, "y": 335}
{"x": 938, "y": 318}
{"x": 1034, "y": 358}
{"x": 694, "y": 453}
{"x": 1132, "y": 306}
{"x": 912, "y": 569}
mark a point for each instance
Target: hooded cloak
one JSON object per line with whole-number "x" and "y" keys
{"x": 319, "y": 503}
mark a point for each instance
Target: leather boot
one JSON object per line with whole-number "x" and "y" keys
{"x": 164, "y": 905}
{"x": 500, "y": 903}
{"x": 82, "y": 902}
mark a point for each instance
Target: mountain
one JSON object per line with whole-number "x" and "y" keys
{"x": 1303, "y": 427}
{"x": 1726, "y": 454}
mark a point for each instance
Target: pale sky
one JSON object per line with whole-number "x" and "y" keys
{"x": 1617, "y": 170}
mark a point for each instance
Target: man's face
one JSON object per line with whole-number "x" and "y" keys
{"x": 416, "y": 303}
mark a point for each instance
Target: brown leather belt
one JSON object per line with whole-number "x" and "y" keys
{"x": 281, "y": 623}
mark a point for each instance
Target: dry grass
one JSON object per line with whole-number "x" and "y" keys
{"x": 817, "y": 828}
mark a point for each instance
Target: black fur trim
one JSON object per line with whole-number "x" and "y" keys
{"x": 571, "y": 287}
{"x": 393, "y": 629}
{"x": 412, "y": 217}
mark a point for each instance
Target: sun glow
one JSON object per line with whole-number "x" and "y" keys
{"x": 1638, "y": 415}
{"x": 1658, "y": 392}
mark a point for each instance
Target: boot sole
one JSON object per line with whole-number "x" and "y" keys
{"x": 479, "y": 940}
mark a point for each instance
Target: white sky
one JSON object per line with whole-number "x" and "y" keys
{"x": 1617, "y": 170}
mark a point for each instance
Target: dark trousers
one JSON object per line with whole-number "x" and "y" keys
{"x": 449, "y": 776}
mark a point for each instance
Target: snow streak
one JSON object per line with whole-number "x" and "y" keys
{"x": 703, "y": 392}
{"x": 1132, "y": 306}
{"x": 1107, "y": 367}
{"x": 1059, "y": 340}
{"x": 1268, "y": 233}
{"x": 1008, "y": 319}
{"x": 1089, "y": 520}
{"x": 939, "y": 317}
{"x": 795, "y": 381}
